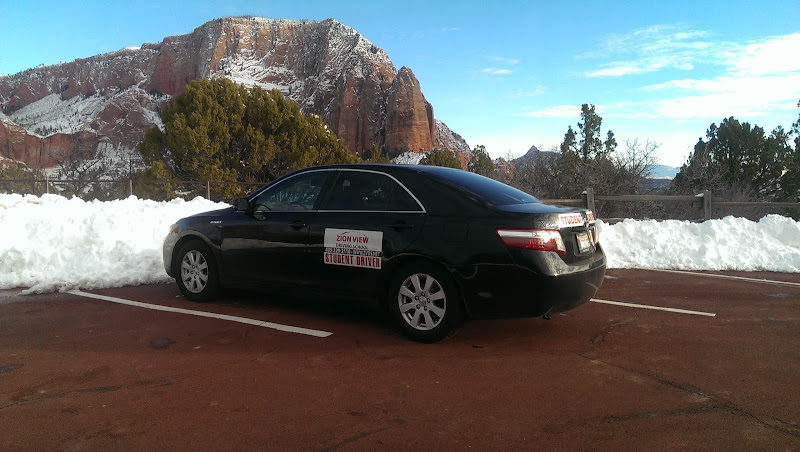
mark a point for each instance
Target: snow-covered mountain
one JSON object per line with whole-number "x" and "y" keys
{"x": 110, "y": 100}
{"x": 665, "y": 172}
{"x": 447, "y": 139}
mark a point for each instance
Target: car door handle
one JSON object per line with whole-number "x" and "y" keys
{"x": 402, "y": 226}
{"x": 297, "y": 225}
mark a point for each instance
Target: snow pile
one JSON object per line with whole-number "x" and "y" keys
{"x": 409, "y": 158}
{"x": 52, "y": 114}
{"x": 52, "y": 243}
{"x": 772, "y": 244}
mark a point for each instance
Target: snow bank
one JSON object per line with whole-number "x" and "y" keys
{"x": 52, "y": 243}
{"x": 771, "y": 244}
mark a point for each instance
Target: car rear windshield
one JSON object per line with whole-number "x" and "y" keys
{"x": 488, "y": 190}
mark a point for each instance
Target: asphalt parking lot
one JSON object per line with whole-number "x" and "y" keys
{"x": 716, "y": 366}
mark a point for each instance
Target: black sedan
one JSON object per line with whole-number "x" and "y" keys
{"x": 431, "y": 244}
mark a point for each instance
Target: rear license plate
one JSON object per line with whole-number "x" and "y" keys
{"x": 584, "y": 242}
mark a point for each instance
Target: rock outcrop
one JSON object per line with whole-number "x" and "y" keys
{"x": 110, "y": 100}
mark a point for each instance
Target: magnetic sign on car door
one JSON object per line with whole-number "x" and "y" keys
{"x": 353, "y": 248}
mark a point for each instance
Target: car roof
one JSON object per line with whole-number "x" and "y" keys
{"x": 388, "y": 167}
{"x": 363, "y": 166}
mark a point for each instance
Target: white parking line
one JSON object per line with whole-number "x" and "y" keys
{"x": 274, "y": 326}
{"x": 714, "y": 275}
{"x": 656, "y": 308}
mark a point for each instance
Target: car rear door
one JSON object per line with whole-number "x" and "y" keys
{"x": 368, "y": 218}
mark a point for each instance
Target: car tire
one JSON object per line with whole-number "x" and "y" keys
{"x": 424, "y": 302}
{"x": 196, "y": 271}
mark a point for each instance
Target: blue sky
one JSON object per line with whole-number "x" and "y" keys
{"x": 505, "y": 74}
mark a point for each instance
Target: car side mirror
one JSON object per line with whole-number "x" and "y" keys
{"x": 241, "y": 204}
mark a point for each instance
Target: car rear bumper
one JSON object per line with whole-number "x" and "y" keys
{"x": 548, "y": 286}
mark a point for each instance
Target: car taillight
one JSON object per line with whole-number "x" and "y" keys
{"x": 533, "y": 239}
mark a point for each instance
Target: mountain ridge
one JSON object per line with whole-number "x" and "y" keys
{"x": 109, "y": 101}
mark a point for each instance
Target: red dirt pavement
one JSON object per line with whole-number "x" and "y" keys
{"x": 84, "y": 374}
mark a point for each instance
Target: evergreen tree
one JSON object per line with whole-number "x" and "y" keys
{"x": 480, "y": 162}
{"x": 12, "y": 170}
{"x": 736, "y": 154}
{"x": 590, "y": 145}
{"x": 570, "y": 143}
{"x": 610, "y": 145}
{"x": 375, "y": 155}
{"x": 587, "y": 161}
{"x": 441, "y": 157}
{"x": 790, "y": 180}
{"x": 218, "y": 131}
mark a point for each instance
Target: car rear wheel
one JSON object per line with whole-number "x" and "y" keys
{"x": 197, "y": 274}
{"x": 424, "y": 302}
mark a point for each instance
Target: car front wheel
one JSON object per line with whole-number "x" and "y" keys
{"x": 197, "y": 274}
{"x": 424, "y": 302}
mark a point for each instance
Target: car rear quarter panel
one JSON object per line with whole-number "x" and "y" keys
{"x": 497, "y": 281}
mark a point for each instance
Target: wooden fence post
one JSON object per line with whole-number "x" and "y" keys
{"x": 706, "y": 205}
{"x": 208, "y": 190}
{"x": 588, "y": 196}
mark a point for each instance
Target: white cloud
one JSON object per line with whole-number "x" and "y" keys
{"x": 776, "y": 55}
{"x": 714, "y": 106}
{"x": 770, "y": 86}
{"x": 652, "y": 49}
{"x": 509, "y": 61}
{"x": 496, "y": 71}
{"x": 728, "y": 96}
{"x": 617, "y": 71}
{"x": 760, "y": 78}
{"x": 521, "y": 93}
{"x": 675, "y": 47}
{"x": 559, "y": 111}
{"x": 500, "y": 65}
{"x": 660, "y": 39}
{"x": 754, "y": 81}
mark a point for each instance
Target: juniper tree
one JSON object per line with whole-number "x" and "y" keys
{"x": 219, "y": 131}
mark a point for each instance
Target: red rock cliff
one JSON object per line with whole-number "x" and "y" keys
{"x": 328, "y": 68}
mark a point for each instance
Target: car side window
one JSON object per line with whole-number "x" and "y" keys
{"x": 361, "y": 190}
{"x": 297, "y": 193}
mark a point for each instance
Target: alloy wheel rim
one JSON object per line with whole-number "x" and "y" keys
{"x": 194, "y": 271}
{"x": 422, "y": 301}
